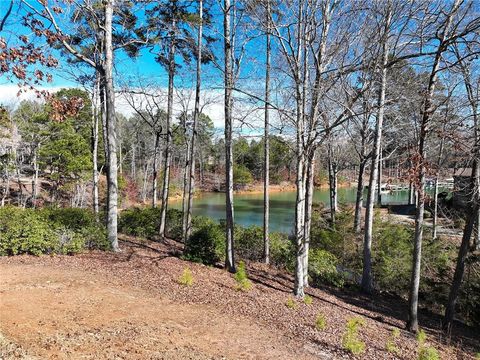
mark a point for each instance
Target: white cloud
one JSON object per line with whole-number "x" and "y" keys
{"x": 211, "y": 101}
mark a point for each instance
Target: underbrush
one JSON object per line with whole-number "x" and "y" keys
{"x": 145, "y": 222}
{"x": 49, "y": 231}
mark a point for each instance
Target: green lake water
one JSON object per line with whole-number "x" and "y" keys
{"x": 248, "y": 208}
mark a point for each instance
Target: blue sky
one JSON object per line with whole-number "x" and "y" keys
{"x": 145, "y": 66}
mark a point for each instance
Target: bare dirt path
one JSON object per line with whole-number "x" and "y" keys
{"x": 72, "y": 314}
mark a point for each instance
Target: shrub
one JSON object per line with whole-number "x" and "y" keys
{"x": 71, "y": 218}
{"x": 36, "y": 232}
{"x": 322, "y": 267}
{"x": 207, "y": 244}
{"x": 350, "y": 341}
{"x": 391, "y": 345}
{"x": 173, "y": 224}
{"x": 69, "y": 242}
{"x": 25, "y": 232}
{"x": 308, "y": 300}
{"x": 392, "y": 256}
{"x": 140, "y": 222}
{"x": 425, "y": 352}
{"x": 88, "y": 231}
{"x": 187, "y": 278}
{"x": 291, "y": 303}
{"x": 320, "y": 322}
{"x": 243, "y": 283}
{"x": 249, "y": 242}
{"x": 282, "y": 251}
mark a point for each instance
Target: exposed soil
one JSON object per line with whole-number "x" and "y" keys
{"x": 130, "y": 306}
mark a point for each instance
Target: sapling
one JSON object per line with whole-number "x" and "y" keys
{"x": 187, "y": 278}
{"x": 243, "y": 283}
{"x": 350, "y": 339}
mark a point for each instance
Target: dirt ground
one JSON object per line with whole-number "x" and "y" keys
{"x": 74, "y": 314}
{"x": 130, "y": 306}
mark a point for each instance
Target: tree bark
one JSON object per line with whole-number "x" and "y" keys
{"x": 460, "y": 267}
{"x": 95, "y": 150}
{"x": 168, "y": 150}
{"x": 35, "y": 179}
{"x": 331, "y": 182}
{"x": 266, "y": 150}
{"x": 229, "y": 259}
{"x": 196, "y": 115}
{"x": 155, "y": 169}
{"x": 428, "y": 110}
{"x": 379, "y": 177}
{"x": 435, "y": 191}
{"x": 359, "y": 198}
{"x": 367, "y": 280}
{"x": 309, "y": 189}
{"x": 112, "y": 212}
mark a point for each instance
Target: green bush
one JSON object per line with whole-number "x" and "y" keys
{"x": 425, "y": 352}
{"x": 174, "y": 224}
{"x": 350, "y": 339}
{"x": 320, "y": 322}
{"x": 36, "y": 232}
{"x": 71, "y": 218}
{"x": 140, "y": 222}
{"x": 206, "y": 244}
{"x": 391, "y": 345}
{"x": 145, "y": 222}
{"x": 322, "y": 267}
{"x": 282, "y": 251}
{"x": 291, "y": 303}
{"x": 241, "y": 277}
{"x": 88, "y": 231}
{"x": 392, "y": 256}
{"x": 25, "y": 232}
{"x": 187, "y": 277}
{"x": 249, "y": 242}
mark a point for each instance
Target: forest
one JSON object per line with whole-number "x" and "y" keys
{"x": 306, "y": 170}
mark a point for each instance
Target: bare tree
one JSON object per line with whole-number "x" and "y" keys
{"x": 196, "y": 113}
{"x": 228, "y": 80}
{"x": 449, "y": 29}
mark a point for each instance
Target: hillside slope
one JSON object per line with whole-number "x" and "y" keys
{"x": 131, "y": 306}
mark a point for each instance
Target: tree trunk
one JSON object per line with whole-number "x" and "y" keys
{"x": 95, "y": 161}
{"x": 133, "y": 165}
{"x": 155, "y": 169}
{"x": 186, "y": 174}
{"x": 266, "y": 150}
{"x": 145, "y": 180}
{"x": 35, "y": 179}
{"x": 435, "y": 191}
{"x": 359, "y": 198}
{"x": 168, "y": 150}
{"x": 95, "y": 147}
{"x": 196, "y": 114}
{"x": 331, "y": 182}
{"x": 367, "y": 280}
{"x": 309, "y": 189}
{"x": 460, "y": 268}
{"x": 428, "y": 110}
{"x": 379, "y": 177}
{"x": 111, "y": 131}
{"x": 229, "y": 260}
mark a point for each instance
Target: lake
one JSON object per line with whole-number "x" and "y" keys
{"x": 248, "y": 208}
